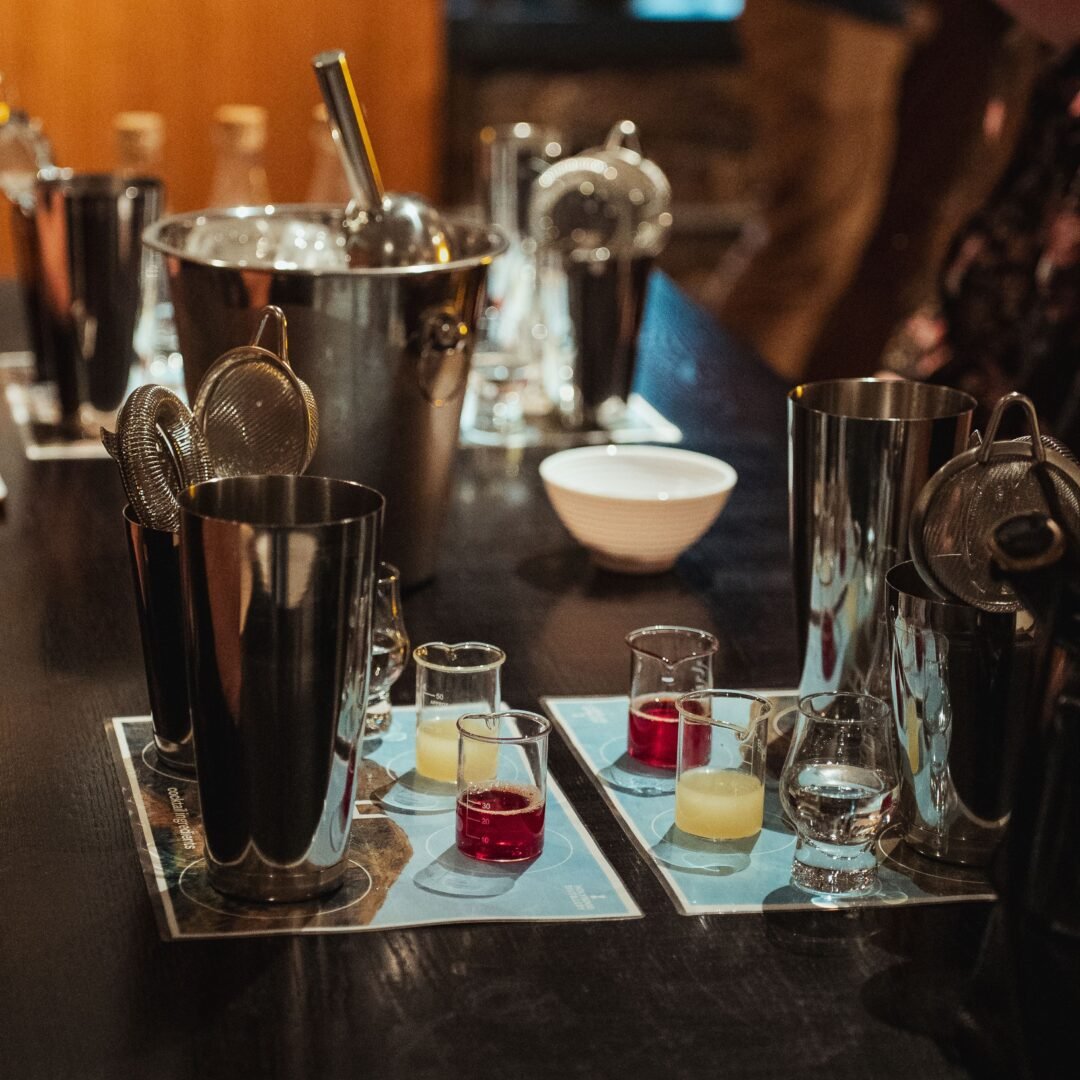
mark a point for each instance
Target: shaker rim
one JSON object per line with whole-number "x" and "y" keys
{"x": 953, "y": 402}
{"x": 377, "y": 501}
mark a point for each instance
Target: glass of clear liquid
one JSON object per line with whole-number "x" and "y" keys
{"x": 839, "y": 788}
{"x": 389, "y": 647}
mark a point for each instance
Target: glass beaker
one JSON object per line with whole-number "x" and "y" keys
{"x": 502, "y": 785}
{"x": 451, "y": 680}
{"x": 720, "y": 785}
{"x": 666, "y": 662}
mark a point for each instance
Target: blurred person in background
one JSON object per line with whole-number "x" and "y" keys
{"x": 1008, "y": 310}
{"x": 963, "y": 98}
{"x": 879, "y": 122}
{"x": 824, "y": 81}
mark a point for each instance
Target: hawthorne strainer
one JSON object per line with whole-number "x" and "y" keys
{"x": 252, "y": 416}
{"x": 160, "y": 450}
{"x": 956, "y": 513}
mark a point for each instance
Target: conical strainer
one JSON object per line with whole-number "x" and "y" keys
{"x": 252, "y": 416}
{"x": 954, "y": 518}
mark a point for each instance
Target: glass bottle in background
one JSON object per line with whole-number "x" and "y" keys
{"x": 506, "y": 391}
{"x": 139, "y": 141}
{"x": 24, "y": 150}
{"x": 328, "y": 183}
{"x": 239, "y": 140}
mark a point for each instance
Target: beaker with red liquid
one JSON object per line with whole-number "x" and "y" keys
{"x": 666, "y": 662}
{"x": 502, "y": 785}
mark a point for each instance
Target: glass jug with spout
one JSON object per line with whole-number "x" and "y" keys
{"x": 666, "y": 662}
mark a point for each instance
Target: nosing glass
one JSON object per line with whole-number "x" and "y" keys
{"x": 386, "y": 572}
{"x": 880, "y": 708}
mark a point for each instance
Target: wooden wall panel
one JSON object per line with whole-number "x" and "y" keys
{"x": 76, "y": 63}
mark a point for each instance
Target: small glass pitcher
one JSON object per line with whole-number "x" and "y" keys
{"x": 666, "y": 662}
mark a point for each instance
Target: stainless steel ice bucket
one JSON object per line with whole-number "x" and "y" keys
{"x": 386, "y": 351}
{"x": 860, "y": 451}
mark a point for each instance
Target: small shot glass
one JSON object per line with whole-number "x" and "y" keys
{"x": 839, "y": 788}
{"x": 451, "y": 680}
{"x": 666, "y": 662}
{"x": 720, "y": 781}
{"x": 502, "y": 785}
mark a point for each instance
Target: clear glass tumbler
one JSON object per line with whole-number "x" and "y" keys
{"x": 502, "y": 785}
{"x": 666, "y": 662}
{"x": 451, "y": 680}
{"x": 720, "y": 782}
{"x": 389, "y": 646}
{"x": 839, "y": 787}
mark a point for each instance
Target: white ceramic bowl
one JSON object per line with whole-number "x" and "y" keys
{"x": 636, "y": 508}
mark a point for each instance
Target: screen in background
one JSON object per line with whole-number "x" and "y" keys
{"x": 686, "y": 9}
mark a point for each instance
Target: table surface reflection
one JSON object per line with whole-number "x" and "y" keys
{"x": 87, "y": 989}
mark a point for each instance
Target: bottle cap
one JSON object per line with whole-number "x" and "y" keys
{"x": 243, "y": 126}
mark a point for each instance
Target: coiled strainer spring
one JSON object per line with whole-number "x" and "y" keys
{"x": 160, "y": 450}
{"x": 253, "y": 415}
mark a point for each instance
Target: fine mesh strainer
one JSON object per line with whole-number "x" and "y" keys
{"x": 256, "y": 414}
{"x": 953, "y": 520}
{"x": 252, "y": 416}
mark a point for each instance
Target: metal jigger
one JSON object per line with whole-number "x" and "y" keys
{"x": 607, "y": 213}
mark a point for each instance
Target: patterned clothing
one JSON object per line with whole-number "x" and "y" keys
{"x": 1009, "y": 315}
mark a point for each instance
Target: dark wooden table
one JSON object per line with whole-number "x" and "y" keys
{"x": 87, "y": 989}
